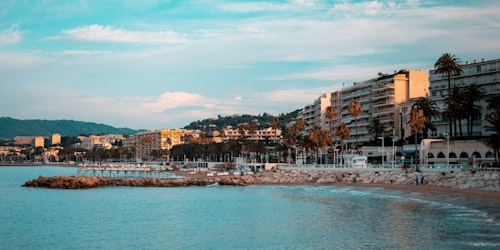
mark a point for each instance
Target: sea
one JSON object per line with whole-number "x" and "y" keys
{"x": 232, "y": 217}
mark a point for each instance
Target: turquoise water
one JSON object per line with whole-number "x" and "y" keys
{"x": 226, "y": 217}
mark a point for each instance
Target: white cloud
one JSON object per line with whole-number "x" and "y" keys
{"x": 248, "y": 7}
{"x": 172, "y": 100}
{"x": 11, "y": 35}
{"x": 100, "y": 33}
{"x": 82, "y": 52}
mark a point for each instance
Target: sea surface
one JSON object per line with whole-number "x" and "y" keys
{"x": 228, "y": 217}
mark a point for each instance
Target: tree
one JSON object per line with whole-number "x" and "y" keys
{"x": 241, "y": 130}
{"x": 330, "y": 115}
{"x": 295, "y": 131}
{"x": 319, "y": 138}
{"x": 275, "y": 124}
{"x": 376, "y": 128}
{"x": 354, "y": 109}
{"x": 493, "y": 141}
{"x": 342, "y": 132}
{"x": 417, "y": 122}
{"x": 493, "y": 102}
{"x": 454, "y": 110}
{"x": 471, "y": 94}
{"x": 429, "y": 107}
{"x": 448, "y": 64}
{"x": 251, "y": 128}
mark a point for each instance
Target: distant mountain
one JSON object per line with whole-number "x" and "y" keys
{"x": 9, "y": 128}
{"x": 220, "y": 122}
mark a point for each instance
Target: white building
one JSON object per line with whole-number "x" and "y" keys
{"x": 485, "y": 74}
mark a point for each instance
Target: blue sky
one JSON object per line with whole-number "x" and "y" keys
{"x": 162, "y": 64}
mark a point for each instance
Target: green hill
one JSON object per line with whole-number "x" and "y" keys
{"x": 220, "y": 122}
{"x": 9, "y": 128}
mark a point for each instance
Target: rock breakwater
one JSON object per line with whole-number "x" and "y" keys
{"x": 488, "y": 181}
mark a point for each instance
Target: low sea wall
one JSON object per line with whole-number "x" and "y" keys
{"x": 488, "y": 181}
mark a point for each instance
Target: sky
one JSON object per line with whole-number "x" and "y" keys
{"x": 154, "y": 64}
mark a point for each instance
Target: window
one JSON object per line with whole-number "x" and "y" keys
{"x": 440, "y": 155}
{"x": 489, "y": 154}
{"x": 453, "y": 155}
{"x": 476, "y": 155}
{"x": 430, "y": 155}
{"x": 464, "y": 155}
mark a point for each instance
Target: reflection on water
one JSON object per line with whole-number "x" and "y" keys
{"x": 252, "y": 217}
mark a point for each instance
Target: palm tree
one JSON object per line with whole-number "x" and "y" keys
{"x": 275, "y": 124}
{"x": 342, "y": 132}
{"x": 454, "y": 110}
{"x": 252, "y": 128}
{"x": 471, "y": 94}
{"x": 493, "y": 102}
{"x": 319, "y": 138}
{"x": 448, "y": 64}
{"x": 241, "y": 130}
{"x": 429, "y": 107}
{"x": 417, "y": 122}
{"x": 376, "y": 128}
{"x": 295, "y": 131}
{"x": 493, "y": 141}
{"x": 330, "y": 115}
{"x": 354, "y": 109}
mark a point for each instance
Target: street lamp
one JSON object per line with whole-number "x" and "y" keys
{"x": 382, "y": 138}
{"x": 447, "y": 136}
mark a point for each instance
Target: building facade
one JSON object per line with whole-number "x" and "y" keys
{"x": 55, "y": 139}
{"x": 314, "y": 114}
{"x": 381, "y": 98}
{"x": 485, "y": 74}
{"x": 38, "y": 141}
{"x": 145, "y": 143}
{"x": 264, "y": 134}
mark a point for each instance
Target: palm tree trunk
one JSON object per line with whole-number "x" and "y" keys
{"x": 356, "y": 120}
{"x": 416, "y": 154}
{"x": 449, "y": 99}
{"x": 460, "y": 127}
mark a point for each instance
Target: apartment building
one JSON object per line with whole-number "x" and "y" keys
{"x": 315, "y": 113}
{"x": 99, "y": 141}
{"x": 145, "y": 142}
{"x": 484, "y": 74}
{"x": 23, "y": 140}
{"x": 38, "y": 141}
{"x": 381, "y": 98}
{"x": 264, "y": 134}
{"x": 55, "y": 139}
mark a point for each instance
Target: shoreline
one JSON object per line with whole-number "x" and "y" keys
{"x": 490, "y": 196}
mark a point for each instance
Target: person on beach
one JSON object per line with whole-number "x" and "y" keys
{"x": 422, "y": 180}
{"x": 416, "y": 180}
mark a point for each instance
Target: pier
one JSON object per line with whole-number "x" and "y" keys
{"x": 124, "y": 171}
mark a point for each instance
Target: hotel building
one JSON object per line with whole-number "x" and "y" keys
{"x": 381, "y": 98}
{"x": 269, "y": 133}
{"x": 145, "y": 142}
{"x": 315, "y": 113}
{"x": 485, "y": 74}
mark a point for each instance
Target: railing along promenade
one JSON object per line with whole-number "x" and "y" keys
{"x": 381, "y": 167}
{"x": 124, "y": 171}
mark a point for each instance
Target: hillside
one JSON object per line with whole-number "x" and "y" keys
{"x": 220, "y": 122}
{"x": 10, "y": 127}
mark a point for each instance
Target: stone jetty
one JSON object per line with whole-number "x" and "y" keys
{"x": 488, "y": 181}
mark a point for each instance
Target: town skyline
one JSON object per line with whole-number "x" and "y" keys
{"x": 168, "y": 64}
